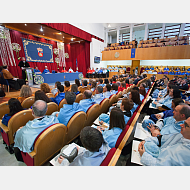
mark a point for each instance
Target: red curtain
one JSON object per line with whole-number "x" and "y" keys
{"x": 69, "y": 29}
{"x": 80, "y": 51}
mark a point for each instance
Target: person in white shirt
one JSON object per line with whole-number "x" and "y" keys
{"x": 70, "y": 70}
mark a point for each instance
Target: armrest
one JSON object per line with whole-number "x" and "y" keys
{"x": 32, "y": 154}
{"x": 4, "y": 127}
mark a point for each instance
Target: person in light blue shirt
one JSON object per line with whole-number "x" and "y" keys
{"x": 117, "y": 125}
{"x": 99, "y": 96}
{"x": 94, "y": 151}
{"x": 26, "y": 135}
{"x": 174, "y": 149}
{"x": 100, "y": 83}
{"x": 69, "y": 109}
{"x": 87, "y": 100}
{"x": 114, "y": 88}
{"x": 107, "y": 94}
{"x": 45, "y": 70}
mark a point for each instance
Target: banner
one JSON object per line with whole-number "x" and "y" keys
{"x": 133, "y": 53}
{"x": 37, "y": 51}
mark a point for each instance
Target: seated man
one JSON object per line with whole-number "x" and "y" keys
{"x": 26, "y": 135}
{"x": 15, "y": 83}
{"x": 99, "y": 96}
{"x": 171, "y": 150}
{"x": 84, "y": 86}
{"x": 45, "y": 70}
{"x": 36, "y": 70}
{"x": 94, "y": 151}
{"x": 171, "y": 124}
{"x": 60, "y": 96}
{"x": 107, "y": 94}
{"x": 114, "y": 88}
{"x": 87, "y": 100}
{"x": 68, "y": 109}
{"x": 100, "y": 83}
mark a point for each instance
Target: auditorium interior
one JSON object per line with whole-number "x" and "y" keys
{"x": 154, "y": 51}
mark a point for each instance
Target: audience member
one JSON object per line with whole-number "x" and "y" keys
{"x": 25, "y": 92}
{"x": 99, "y": 96}
{"x": 60, "y": 96}
{"x": 84, "y": 86}
{"x": 77, "y": 82}
{"x": 67, "y": 86}
{"x": 54, "y": 91}
{"x": 40, "y": 95}
{"x": 107, "y": 92}
{"x": 45, "y": 87}
{"x": 74, "y": 88}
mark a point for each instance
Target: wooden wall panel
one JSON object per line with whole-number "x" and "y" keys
{"x": 154, "y": 53}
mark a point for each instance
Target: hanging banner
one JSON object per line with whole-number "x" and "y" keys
{"x": 37, "y": 51}
{"x": 133, "y": 53}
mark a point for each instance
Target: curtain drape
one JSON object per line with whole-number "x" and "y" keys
{"x": 81, "y": 52}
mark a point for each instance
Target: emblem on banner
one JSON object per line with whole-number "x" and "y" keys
{"x": 116, "y": 54}
{"x": 40, "y": 52}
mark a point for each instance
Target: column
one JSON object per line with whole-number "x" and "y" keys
{"x": 146, "y": 31}
{"x": 107, "y": 37}
{"x": 163, "y": 30}
{"x": 110, "y": 39}
{"x": 181, "y": 32}
{"x": 117, "y": 35}
{"x": 131, "y": 32}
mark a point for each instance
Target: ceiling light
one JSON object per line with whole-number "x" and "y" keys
{"x": 43, "y": 34}
{"x": 109, "y": 25}
{"x": 25, "y": 24}
{"x": 41, "y": 29}
{"x": 63, "y": 37}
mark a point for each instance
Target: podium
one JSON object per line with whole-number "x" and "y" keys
{"x": 29, "y": 76}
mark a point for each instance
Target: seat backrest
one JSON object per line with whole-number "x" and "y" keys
{"x": 112, "y": 99}
{"x": 104, "y": 105}
{"x": 52, "y": 107}
{"x": 18, "y": 120}
{"x": 28, "y": 102}
{"x": 79, "y": 97}
{"x": 4, "y": 109}
{"x": 82, "y": 89}
{"x": 49, "y": 142}
{"x": 92, "y": 113}
{"x": 61, "y": 103}
{"x": 49, "y": 95}
{"x": 119, "y": 95}
{"x": 108, "y": 157}
{"x": 131, "y": 119}
{"x": 75, "y": 125}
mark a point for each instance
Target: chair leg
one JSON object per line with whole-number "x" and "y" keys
{"x": 9, "y": 149}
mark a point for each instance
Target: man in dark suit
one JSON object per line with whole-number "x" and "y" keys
{"x": 22, "y": 64}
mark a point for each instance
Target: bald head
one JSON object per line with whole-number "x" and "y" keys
{"x": 181, "y": 112}
{"x": 39, "y": 108}
{"x": 87, "y": 94}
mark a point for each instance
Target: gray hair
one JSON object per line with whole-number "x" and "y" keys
{"x": 39, "y": 108}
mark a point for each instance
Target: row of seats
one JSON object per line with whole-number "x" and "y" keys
{"x": 114, "y": 153}
{"x": 57, "y": 135}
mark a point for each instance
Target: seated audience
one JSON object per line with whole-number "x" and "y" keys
{"x": 116, "y": 126}
{"x": 45, "y": 87}
{"x": 84, "y": 86}
{"x": 167, "y": 150}
{"x": 25, "y": 92}
{"x": 77, "y": 82}
{"x": 40, "y": 95}
{"x": 26, "y": 135}
{"x": 114, "y": 88}
{"x": 99, "y": 96}
{"x": 93, "y": 86}
{"x": 87, "y": 100}
{"x": 170, "y": 124}
{"x": 67, "y": 86}
{"x": 100, "y": 83}
{"x": 69, "y": 109}
{"x": 107, "y": 92}
{"x": 94, "y": 151}
{"x": 74, "y": 88}
{"x": 60, "y": 96}
{"x": 14, "y": 107}
{"x": 54, "y": 91}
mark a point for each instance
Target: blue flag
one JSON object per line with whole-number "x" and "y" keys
{"x": 76, "y": 62}
{"x": 37, "y": 51}
{"x": 133, "y": 53}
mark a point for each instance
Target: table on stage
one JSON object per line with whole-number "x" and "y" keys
{"x": 61, "y": 77}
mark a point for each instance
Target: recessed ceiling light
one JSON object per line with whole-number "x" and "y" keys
{"x": 109, "y": 25}
{"x": 25, "y": 24}
{"x": 41, "y": 29}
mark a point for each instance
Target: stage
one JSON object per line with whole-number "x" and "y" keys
{"x": 61, "y": 77}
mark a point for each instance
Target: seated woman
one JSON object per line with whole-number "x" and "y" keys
{"x": 25, "y": 92}
{"x": 40, "y": 95}
{"x": 135, "y": 97}
{"x": 45, "y": 87}
{"x": 15, "y": 107}
{"x": 67, "y": 86}
{"x": 117, "y": 125}
{"x": 77, "y": 82}
{"x": 74, "y": 88}
{"x": 142, "y": 89}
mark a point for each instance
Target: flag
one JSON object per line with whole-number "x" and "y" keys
{"x": 133, "y": 53}
{"x": 76, "y": 64}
